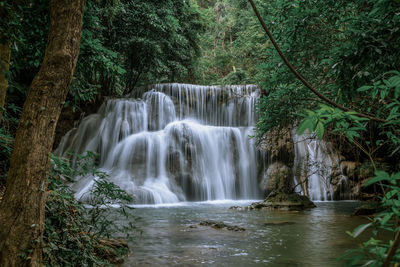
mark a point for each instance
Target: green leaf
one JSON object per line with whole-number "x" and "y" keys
{"x": 304, "y": 125}
{"x": 319, "y": 130}
{"x": 386, "y": 218}
{"x": 379, "y": 176}
{"x": 364, "y": 88}
{"x": 359, "y": 229}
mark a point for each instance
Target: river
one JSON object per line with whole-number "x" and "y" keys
{"x": 171, "y": 235}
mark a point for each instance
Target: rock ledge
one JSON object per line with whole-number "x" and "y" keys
{"x": 280, "y": 201}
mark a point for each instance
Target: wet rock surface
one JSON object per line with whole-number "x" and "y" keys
{"x": 277, "y": 178}
{"x": 222, "y": 225}
{"x": 366, "y": 209}
{"x": 280, "y": 201}
{"x": 279, "y": 143}
{"x": 278, "y": 223}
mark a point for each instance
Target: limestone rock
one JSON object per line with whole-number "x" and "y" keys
{"x": 279, "y": 144}
{"x": 280, "y": 201}
{"x": 349, "y": 168}
{"x": 277, "y": 178}
{"x": 222, "y": 225}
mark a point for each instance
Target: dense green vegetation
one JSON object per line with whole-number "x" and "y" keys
{"x": 77, "y": 234}
{"x": 374, "y": 252}
{"x": 338, "y": 46}
{"x": 338, "y": 52}
{"x": 349, "y": 50}
{"x": 124, "y": 44}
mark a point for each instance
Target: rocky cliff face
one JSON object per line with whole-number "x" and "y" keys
{"x": 309, "y": 166}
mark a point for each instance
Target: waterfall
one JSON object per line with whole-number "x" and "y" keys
{"x": 317, "y": 168}
{"x": 178, "y": 142}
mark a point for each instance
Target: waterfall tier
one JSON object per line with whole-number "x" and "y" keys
{"x": 317, "y": 169}
{"x": 178, "y": 142}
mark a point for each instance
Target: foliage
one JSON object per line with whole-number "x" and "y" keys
{"x": 337, "y": 45}
{"x": 279, "y": 107}
{"x": 8, "y": 126}
{"x": 124, "y": 43}
{"x": 348, "y": 124}
{"x": 232, "y": 40}
{"x": 158, "y": 40}
{"x": 236, "y": 77}
{"x": 73, "y": 232}
{"x": 374, "y": 251}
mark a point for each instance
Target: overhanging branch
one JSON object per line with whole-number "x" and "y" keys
{"x": 300, "y": 77}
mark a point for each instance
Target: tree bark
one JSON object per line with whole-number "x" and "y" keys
{"x": 23, "y": 205}
{"x": 5, "y": 53}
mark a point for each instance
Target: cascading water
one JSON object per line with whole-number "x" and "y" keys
{"x": 315, "y": 163}
{"x": 178, "y": 143}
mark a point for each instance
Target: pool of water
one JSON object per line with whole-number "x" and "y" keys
{"x": 171, "y": 235}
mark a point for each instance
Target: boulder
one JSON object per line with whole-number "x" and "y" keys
{"x": 222, "y": 225}
{"x": 366, "y": 209}
{"x": 277, "y": 178}
{"x": 279, "y": 145}
{"x": 280, "y": 201}
{"x": 278, "y": 223}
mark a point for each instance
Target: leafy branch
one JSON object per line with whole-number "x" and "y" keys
{"x": 301, "y": 78}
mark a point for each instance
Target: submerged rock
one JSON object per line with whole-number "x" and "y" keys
{"x": 222, "y": 225}
{"x": 278, "y": 223}
{"x": 366, "y": 209}
{"x": 281, "y": 201}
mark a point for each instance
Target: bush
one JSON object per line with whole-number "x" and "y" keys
{"x": 376, "y": 252}
{"x": 74, "y": 234}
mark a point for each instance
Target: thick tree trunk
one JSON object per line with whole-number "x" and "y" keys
{"x": 23, "y": 205}
{"x": 5, "y": 53}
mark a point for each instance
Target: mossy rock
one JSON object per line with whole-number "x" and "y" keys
{"x": 222, "y": 225}
{"x": 281, "y": 201}
{"x": 367, "y": 209}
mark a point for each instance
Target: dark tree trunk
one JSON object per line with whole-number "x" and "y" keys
{"x": 23, "y": 205}
{"x": 5, "y": 53}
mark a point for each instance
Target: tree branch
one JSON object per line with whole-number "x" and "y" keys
{"x": 301, "y": 78}
{"x": 392, "y": 250}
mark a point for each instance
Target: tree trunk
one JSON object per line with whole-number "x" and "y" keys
{"x": 23, "y": 205}
{"x": 5, "y": 53}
